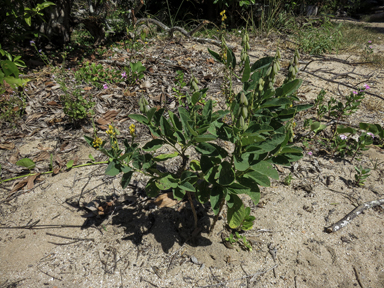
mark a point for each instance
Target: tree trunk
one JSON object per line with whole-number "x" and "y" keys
{"x": 57, "y": 26}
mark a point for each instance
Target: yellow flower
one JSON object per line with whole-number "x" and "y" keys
{"x": 132, "y": 129}
{"x": 223, "y": 18}
{"x": 97, "y": 142}
{"x": 222, "y": 13}
{"x": 294, "y": 124}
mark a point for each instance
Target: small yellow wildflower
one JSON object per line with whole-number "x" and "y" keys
{"x": 222, "y": 13}
{"x": 146, "y": 42}
{"x": 97, "y": 142}
{"x": 110, "y": 131}
{"x": 132, "y": 129}
{"x": 223, "y": 16}
{"x": 294, "y": 124}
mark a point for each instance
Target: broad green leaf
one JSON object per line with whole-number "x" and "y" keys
{"x": 317, "y": 127}
{"x": 167, "y": 182}
{"x": 260, "y": 179}
{"x": 196, "y": 97}
{"x": 178, "y": 193}
{"x": 166, "y": 129}
{"x": 276, "y": 102}
{"x": 70, "y": 164}
{"x": 150, "y": 113}
{"x": 126, "y": 179}
{"x": 175, "y": 121}
{"x": 9, "y": 68}
{"x": 203, "y": 192}
{"x": 231, "y": 59}
{"x": 27, "y": 163}
{"x": 343, "y": 129}
{"x": 254, "y": 191}
{"x": 187, "y": 186}
{"x": 113, "y": 169}
{"x": 273, "y": 142}
{"x": 241, "y": 162}
{"x": 153, "y": 145}
{"x": 206, "y": 149}
{"x": 204, "y": 138}
{"x": 236, "y": 212}
{"x": 215, "y": 55}
{"x": 139, "y": 118}
{"x": 216, "y": 197}
{"x": 266, "y": 168}
{"x": 247, "y": 71}
{"x": 262, "y": 63}
{"x": 303, "y": 107}
{"x": 151, "y": 189}
{"x": 164, "y": 157}
{"x": 238, "y": 188}
{"x": 288, "y": 88}
{"x": 227, "y": 175}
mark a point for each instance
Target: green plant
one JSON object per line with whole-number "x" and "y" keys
{"x": 11, "y": 108}
{"x": 361, "y": 175}
{"x": 179, "y": 80}
{"x": 288, "y": 179}
{"x": 239, "y": 238}
{"x": 75, "y": 106}
{"x": 319, "y": 40}
{"x": 259, "y": 126}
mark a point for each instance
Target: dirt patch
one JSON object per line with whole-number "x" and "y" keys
{"x": 139, "y": 245}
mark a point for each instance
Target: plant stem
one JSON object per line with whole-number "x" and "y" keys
{"x": 217, "y": 216}
{"x": 193, "y": 208}
{"x": 48, "y": 172}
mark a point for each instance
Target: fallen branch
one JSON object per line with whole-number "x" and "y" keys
{"x": 346, "y": 85}
{"x": 182, "y": 31}
{"x": 355, "y": 212}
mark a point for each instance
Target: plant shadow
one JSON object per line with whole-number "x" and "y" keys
{"x": 168, "y": 225}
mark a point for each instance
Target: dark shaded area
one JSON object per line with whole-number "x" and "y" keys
{"x": 139, "y": 218}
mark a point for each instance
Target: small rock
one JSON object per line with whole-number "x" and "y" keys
{"x": 308, "y": 208}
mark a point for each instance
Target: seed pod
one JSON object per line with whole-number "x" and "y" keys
{"x": 296, "y": 70}
{"x": 244, "y": 40}
{"x": 291, "y": 69}
{"x": 244, "y": 112}
{"x": 194, "y": 86}
{"x": 247, "y": 46}
{"x": 247, "y": 36}
{"x": 242, "y": 122}
{"x": 278, "y": 66}
{"x": 278, "y": 55}
{"x": 269, "y": 71}
{"x": 260, "y": 87}
{"x": 270, "y": 85}
{"x": 243, "y": 99}
{"x": 274, "y": 68}
{"x": 296, "y": 60}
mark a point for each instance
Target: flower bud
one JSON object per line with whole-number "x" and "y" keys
{"x": 296, "y": 60}
{"x": 274, "y": 67}
{"x": 278, "y": 55}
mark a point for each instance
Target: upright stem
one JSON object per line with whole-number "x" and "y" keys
{"x": 193, "y": 208}
{"x": 217, "y": 216}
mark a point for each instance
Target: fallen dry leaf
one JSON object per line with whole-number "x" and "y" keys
{"x": 31, "y": 179}
{"x": 165, "y": 200}
{"x": 7, "y": 145}
{"x": 41, "y": 157}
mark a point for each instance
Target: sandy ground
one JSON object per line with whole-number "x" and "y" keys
{"x": 140, "y": 245}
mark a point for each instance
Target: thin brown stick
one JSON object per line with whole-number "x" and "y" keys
{"x": 70, "y": 238}
{"x": 353, "y": 214}
{"x": 358, "y": 277}
{"x": 193, "y": 208}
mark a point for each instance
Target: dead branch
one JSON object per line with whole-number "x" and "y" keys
{"x": 336, "y": 82}
{"x": 350, "y": 216}
{"x": 182, "y": 31}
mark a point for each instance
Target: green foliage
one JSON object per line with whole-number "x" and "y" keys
{"x": 361, "y": 175}
{"x": 75, "y": 106}
{"x": 241, "y": 239}
{"x": 98, "y": 75}
{"x": 260, "y": 129}
{"x": 27, "y": 163}
{"x": 11, "y": 108}
{"x": 319, "y": 40}
{"x": 9, "y": 71}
